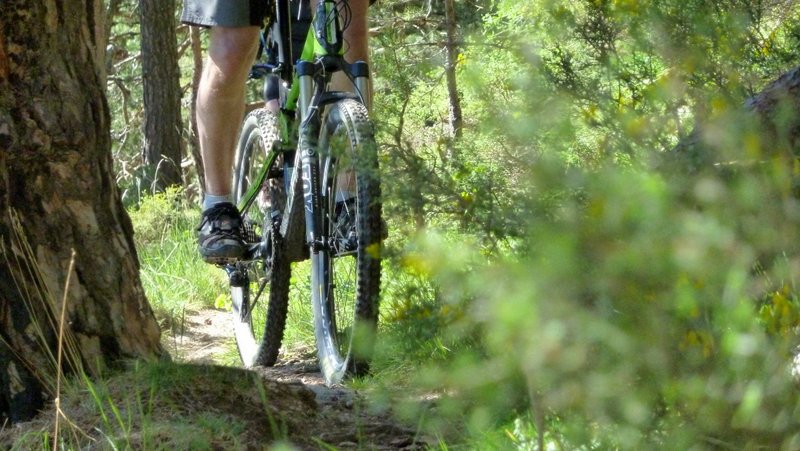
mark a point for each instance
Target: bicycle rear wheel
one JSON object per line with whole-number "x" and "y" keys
{"x": 346, "y": 272}
{"x": 260, "y": 283}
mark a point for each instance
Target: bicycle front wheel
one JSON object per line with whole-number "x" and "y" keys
{"x": 260, "y": 282}
{"x": 346, "y": 270}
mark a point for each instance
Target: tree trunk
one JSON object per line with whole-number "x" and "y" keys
{"x": 57, "y": 194}
{"x": 451, "y": 60}
{"x": 197, "y": 59}
{"x": 111, "y": 11}
{"x": 163, "y": 146}
{"x": 776, "y": 113}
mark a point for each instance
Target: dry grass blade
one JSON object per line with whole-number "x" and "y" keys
{"x": 59, "y": 373}
{"x": 42, "y": 308}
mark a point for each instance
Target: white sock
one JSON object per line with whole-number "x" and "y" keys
{"x": 210, "y": 200}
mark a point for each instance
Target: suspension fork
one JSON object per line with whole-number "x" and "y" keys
{"x": 309, "y": 155}
{"x": 311, "y": 185}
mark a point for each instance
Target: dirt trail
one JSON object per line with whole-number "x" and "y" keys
{"x": 202, "y": 337}
{"x": 343, "y": 418}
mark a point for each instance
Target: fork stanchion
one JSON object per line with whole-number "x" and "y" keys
{"x": 360, "y": 72}
{"x": 305, "y": 73}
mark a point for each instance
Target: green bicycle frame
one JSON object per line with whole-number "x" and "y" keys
{"x": 323, "y": 45}
{"x": 324, "y": 38}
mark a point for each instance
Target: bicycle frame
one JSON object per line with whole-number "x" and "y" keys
{"x": 320, "y": 147}
{"x": 306, "y": 82}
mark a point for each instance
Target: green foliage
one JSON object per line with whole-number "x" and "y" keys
{"x": 173, "y": 275}
{"x": 299, "y": 320}
{"x": 630, "y": 319}
{"x": 560, "y": 262}
{"x": 633, "y": 297}
{"x": 644, "y": 297}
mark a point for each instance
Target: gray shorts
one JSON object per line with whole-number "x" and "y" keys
{"x": 224, "y": 13}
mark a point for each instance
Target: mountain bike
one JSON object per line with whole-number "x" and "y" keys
{"x": 306, "y": 183}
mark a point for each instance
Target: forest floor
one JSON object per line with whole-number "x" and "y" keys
{"x": 338, "y": 417}
{"x": 203, "y": 399}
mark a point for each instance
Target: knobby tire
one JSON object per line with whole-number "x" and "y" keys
{"x": 346, "y": 281}
{"x": 258, "y": 328}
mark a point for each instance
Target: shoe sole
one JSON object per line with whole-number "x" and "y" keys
{"x": 221, "y": 257}
{"x": 220, "y": 261}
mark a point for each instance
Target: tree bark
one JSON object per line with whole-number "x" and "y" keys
{"x": 163, "y": 146}
{"x": 778, "y": 110}
{"x": 451, "y": 60}
{"x": 57, "y": 193}
{"x": 776, "y": 113}
{"x": 111, "y": 11}
{"x": 197, "y": 59}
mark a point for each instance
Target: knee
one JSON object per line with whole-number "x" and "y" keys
{"x": 232, "y": 50}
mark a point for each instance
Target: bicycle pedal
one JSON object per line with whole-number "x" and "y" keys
{"x": 236, "y": 278}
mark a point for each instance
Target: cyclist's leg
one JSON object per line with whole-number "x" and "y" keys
{"x": 220, "y": 101}
{"x": 272, "y": 94}
{"x": 220, "y": 108}
{"x": 356, "y": 37}
{"x": 220, "y": 104}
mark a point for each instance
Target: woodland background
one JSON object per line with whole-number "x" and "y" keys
{"x": 593, "y": 212}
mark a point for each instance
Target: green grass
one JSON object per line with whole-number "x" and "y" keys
{"x": 414, "y": 336}
{"x": 175, "y": 279}
{"x": 165, "y": 406}
{"x": 173, "y": 275}
{"x": 300, "y": 318}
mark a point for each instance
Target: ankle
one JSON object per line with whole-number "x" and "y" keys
{"x": 211, "y": 199}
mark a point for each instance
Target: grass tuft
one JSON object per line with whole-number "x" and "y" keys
{"x": 166, "y": 405}
{"x": 173, "y": 275}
